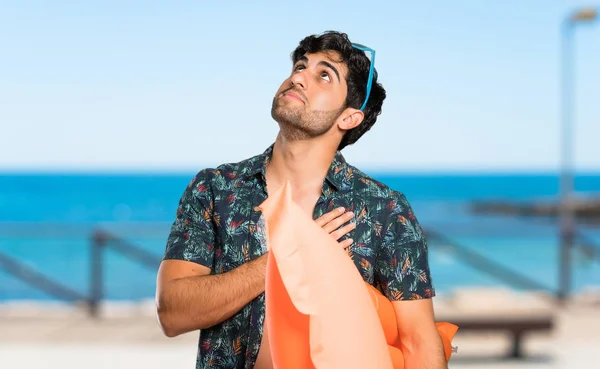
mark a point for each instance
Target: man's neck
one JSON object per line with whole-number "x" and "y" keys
{"x": 304, "y": 163}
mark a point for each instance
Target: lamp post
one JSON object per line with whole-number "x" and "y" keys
{"x": 567, "y": 218}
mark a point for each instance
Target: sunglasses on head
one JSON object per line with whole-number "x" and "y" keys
{"x": 371, "y": 70}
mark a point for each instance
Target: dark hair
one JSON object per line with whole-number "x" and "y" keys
{"x": 358, "y": 74}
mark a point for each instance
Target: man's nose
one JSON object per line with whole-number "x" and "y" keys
{"x": 298, "y": 80}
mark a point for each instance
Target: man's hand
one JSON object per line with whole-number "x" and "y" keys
{"x": 332, "y": 223}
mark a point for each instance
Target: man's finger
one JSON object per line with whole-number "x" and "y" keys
{"x": 342, "y": 231}
{"x": 328, "y": 217}
{"x": 338, "y": 222}
{"x": 346, "y": 243}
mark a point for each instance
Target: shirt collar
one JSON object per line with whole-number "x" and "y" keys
{"x": 258, "y": 164}
{"x": 339, "y": 174}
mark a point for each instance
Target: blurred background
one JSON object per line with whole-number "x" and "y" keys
{"x": 490, "y": 128}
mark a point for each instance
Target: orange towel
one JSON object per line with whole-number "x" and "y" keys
{"x": 319, "y": 311}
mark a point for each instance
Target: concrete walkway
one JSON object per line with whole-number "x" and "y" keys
{"x": 128, "y": 336}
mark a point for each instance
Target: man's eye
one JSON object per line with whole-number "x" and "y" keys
{"x": 299, "y": 68}
{"x": 325, "y": 76}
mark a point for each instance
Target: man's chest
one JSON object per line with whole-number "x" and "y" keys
{"x": 366, "y": 235}
{"x": 241, "y": 233}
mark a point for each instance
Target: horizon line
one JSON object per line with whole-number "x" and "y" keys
{"x": 371, "y": 171}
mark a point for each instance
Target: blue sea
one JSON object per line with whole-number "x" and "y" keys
{"x": 46, "y": 223}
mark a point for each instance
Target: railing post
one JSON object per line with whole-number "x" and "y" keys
{"x": 565, "y": 262}
{"x": 96, "y": 281}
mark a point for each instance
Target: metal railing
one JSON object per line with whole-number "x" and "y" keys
{"x": 588, "y": 247}
{"x": 102, "y": 240}
{"x": 574, "y": 240}
{"x": 484, "y": 264}
{"x": 39, "y": 280}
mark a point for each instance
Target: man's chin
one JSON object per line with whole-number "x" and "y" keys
{"x": 287, "y": 123}
{"x": 286, "y": 117}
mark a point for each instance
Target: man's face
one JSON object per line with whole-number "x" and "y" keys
{"x": 310, "y": 100}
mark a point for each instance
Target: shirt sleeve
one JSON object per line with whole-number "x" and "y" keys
{"x": 192, "y": 235}
{"x": 402, "y": 262}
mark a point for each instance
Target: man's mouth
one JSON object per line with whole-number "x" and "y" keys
{"x": 293, "y": 95}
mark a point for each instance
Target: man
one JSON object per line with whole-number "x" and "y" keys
{"x": 212, "y": 277}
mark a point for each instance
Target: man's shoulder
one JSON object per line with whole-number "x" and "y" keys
{"x": 366, "y": 185}
{"x": 391, "y": 206}
{"x": 221, "y": 176}
{"x": 245, "y": 167}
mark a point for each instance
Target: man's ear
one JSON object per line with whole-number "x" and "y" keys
{"x": 350, "y": 118}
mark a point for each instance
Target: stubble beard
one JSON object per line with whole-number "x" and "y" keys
{"x": 297, "y": 124}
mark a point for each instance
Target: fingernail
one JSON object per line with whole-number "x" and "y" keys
{"x": 351, "y": 241}
{"x": 350, "y": 214}
{"x": 341, "y": 210}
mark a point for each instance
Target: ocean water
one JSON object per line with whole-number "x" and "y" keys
{"x": 46, "y": 221}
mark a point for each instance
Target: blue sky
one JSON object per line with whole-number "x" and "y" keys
{"x": 176, "y": 86}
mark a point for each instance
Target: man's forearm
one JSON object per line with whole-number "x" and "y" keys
{"x": 200, "y": 302}
{"x": 425, "y": 352}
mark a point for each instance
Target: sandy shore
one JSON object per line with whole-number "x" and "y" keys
{"x": 55, "y": 335}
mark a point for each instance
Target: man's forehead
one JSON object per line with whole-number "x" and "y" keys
{"x": 331, "y": 56}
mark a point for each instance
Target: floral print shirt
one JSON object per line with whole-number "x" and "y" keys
{"x": 218, "y": 225}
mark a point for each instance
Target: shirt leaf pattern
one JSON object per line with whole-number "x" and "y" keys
{"x": 218, "y": 225}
